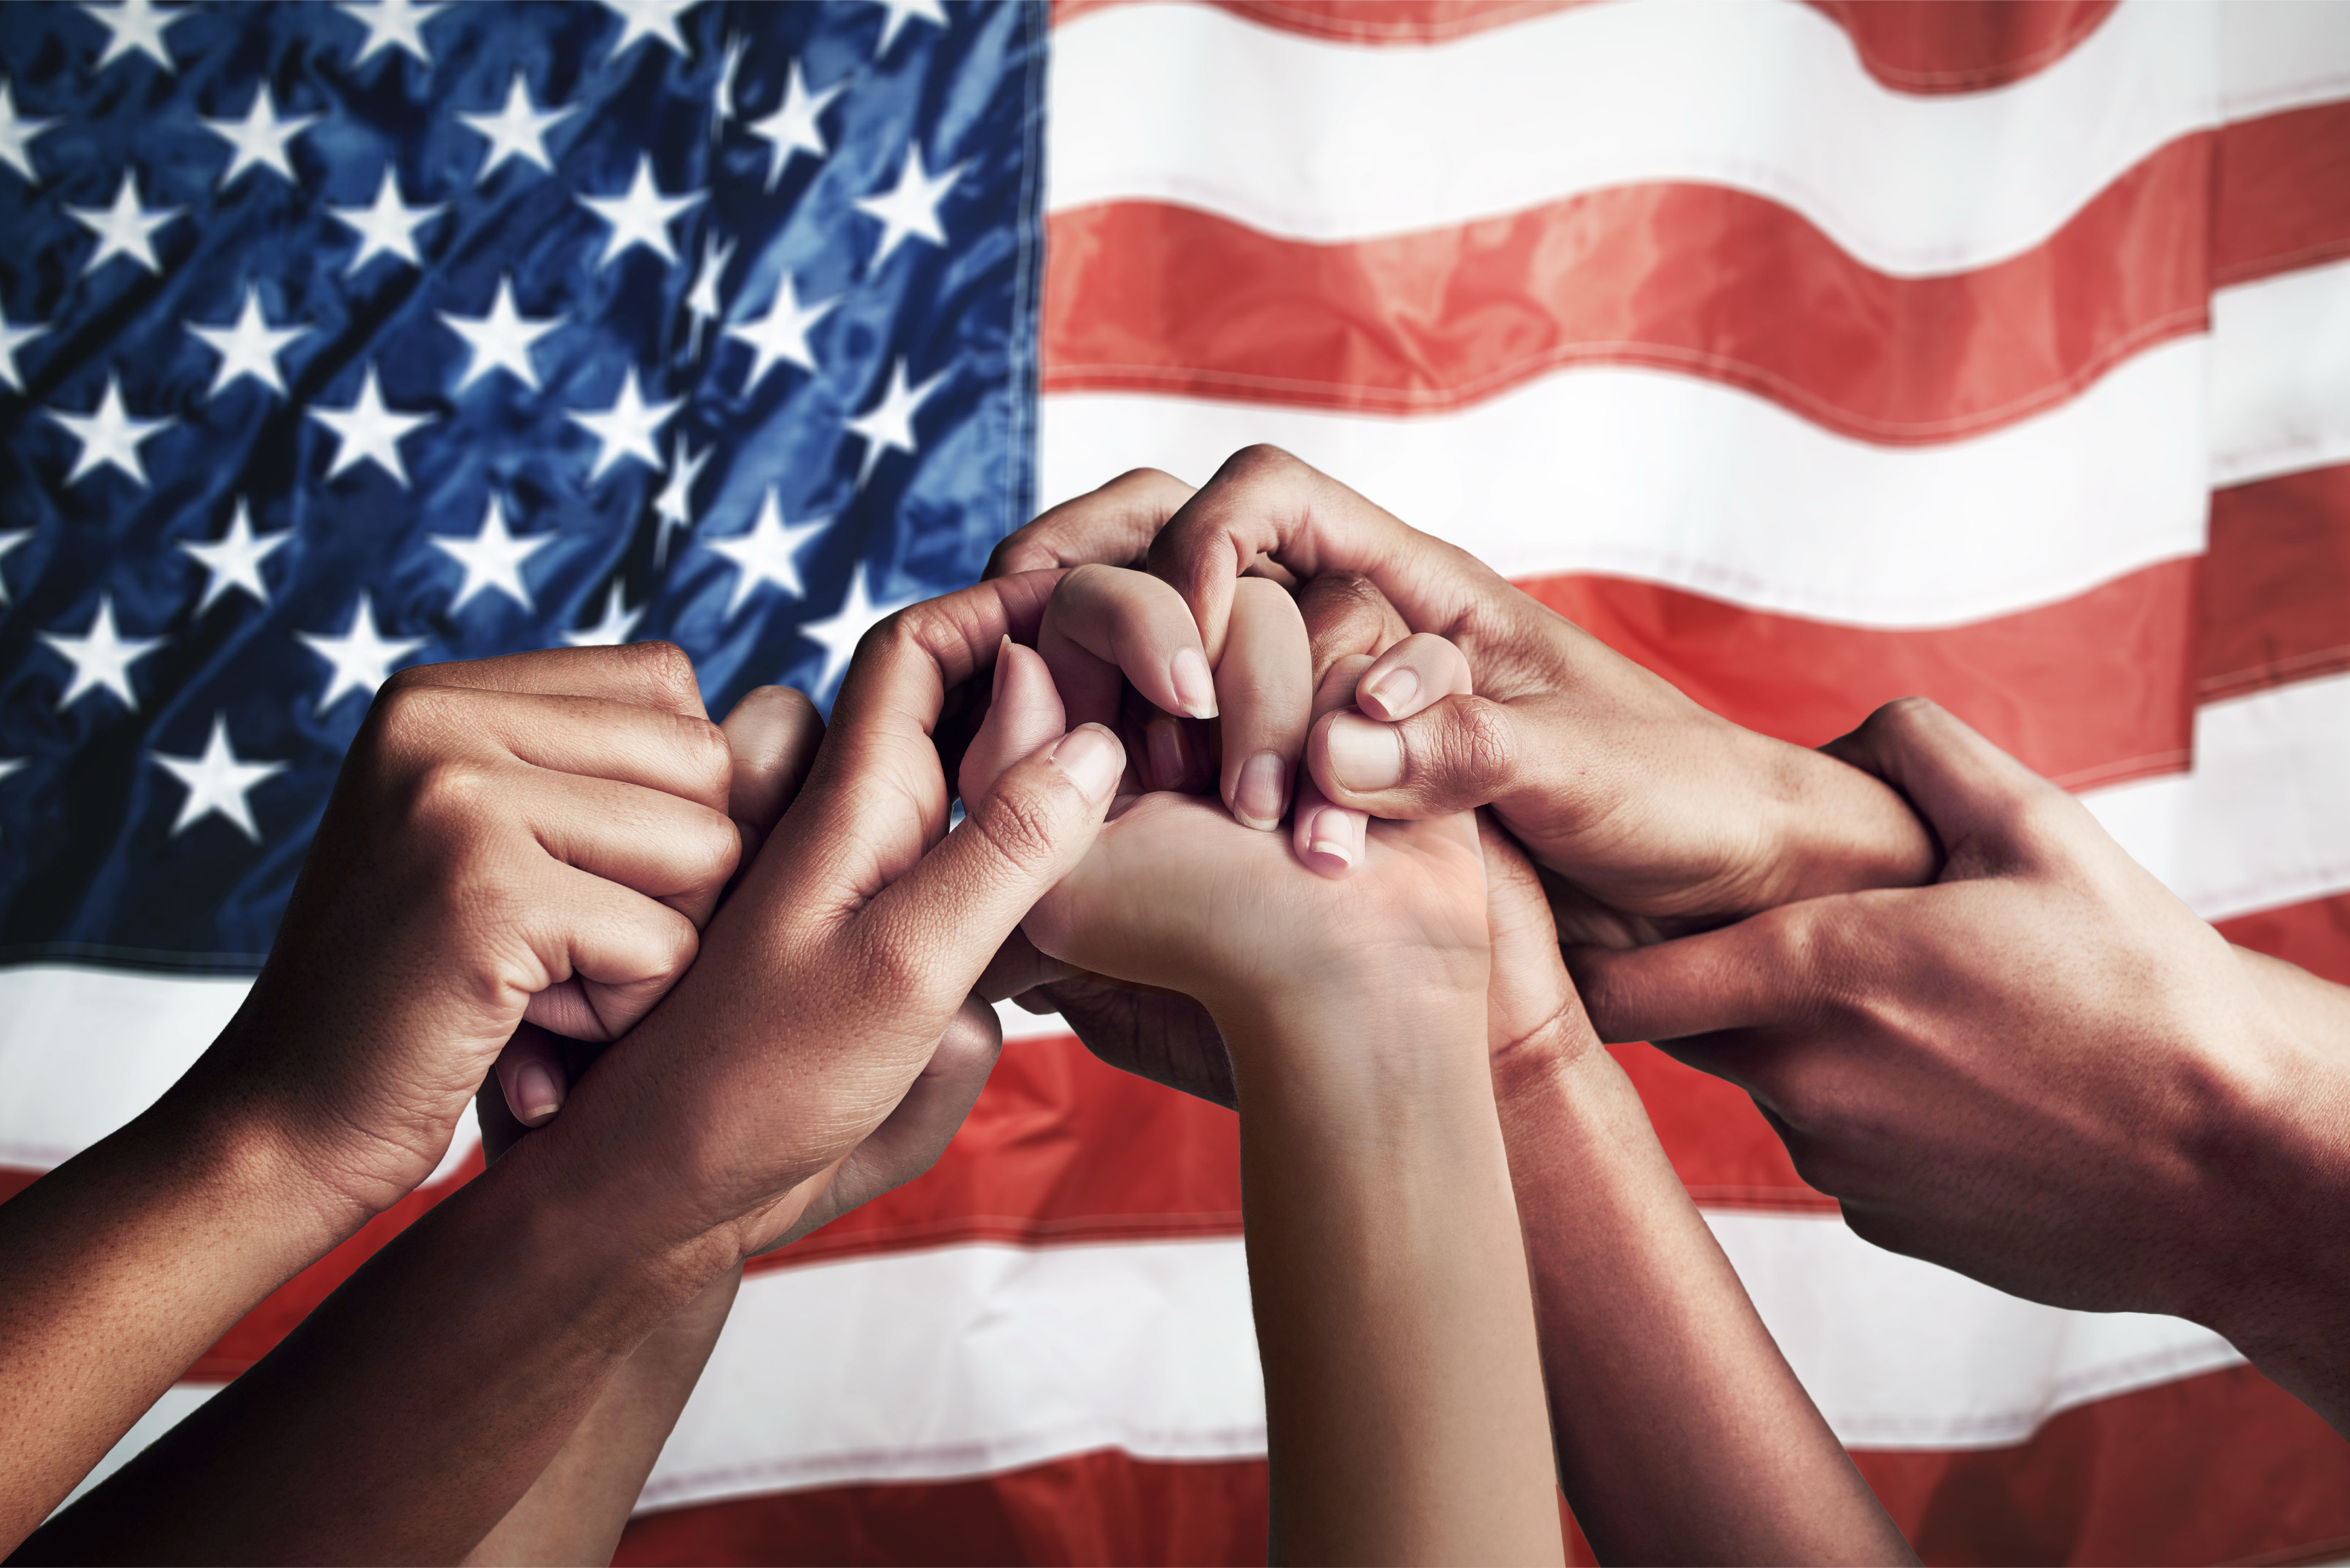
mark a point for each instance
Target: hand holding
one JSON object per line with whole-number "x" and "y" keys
{"x": 2042, "y": 1071}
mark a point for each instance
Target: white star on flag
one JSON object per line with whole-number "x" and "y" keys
{"x": 517, "y": 131}
{"x": 108, "y": 435}
{"x": 12, "y": 541}
{"x": 780, "y": 332}
{"x": 839, "y": 635}
{"x": 613, "y": 628}
{"x": 910, "y": 207}
{"x": 11, "y": 338}
{"x": 723, "y": 105}
{"x": 674, "y": 504}
{"x": 362, "y": 657}
{"x": 764, "y": 551}
{"x": 649, "y": 19}
{"x": 793, "y": 127}
{"x": 217, "y": 782}
{"x": 502, "y": 340}
{"x": 900, "y": 12}
{"x": 368, "y": 431}
{"x": 890, "y": 423}
{"x": 125, "y": 229}
{"x": 247, "y": 347}
{"x": 15, "y": 131}
{"x": 493, "y": 558}
{"x": 392, "y": 25}
{"x": 639, "y": 216}
{"x": 626, "y": 428}
{"x": 101, "y": 657}
{"x": 388, "y": 226}
{"x": 233, "y": 560}
{"x": 135, "y": 26}
{"x": 259, "y": 138}
{"x": 701, "y": 299}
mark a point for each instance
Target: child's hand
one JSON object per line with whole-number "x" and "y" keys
{"x": 537, "y": 836}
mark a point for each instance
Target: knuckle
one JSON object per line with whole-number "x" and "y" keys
{"x": 665, "y": 670}
{"x": 1024, "y": 827}
{"x": 1261, "y": 462}
{"x": 1476, "y": 747}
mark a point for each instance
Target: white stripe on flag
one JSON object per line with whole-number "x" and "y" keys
{"x": 2280, "y": 374}
{"x": 2263, "y": 818}
{"x": 965, "y": 1360}
{"x": 1317, "y": 140}
{"x": 1591, "y": 469}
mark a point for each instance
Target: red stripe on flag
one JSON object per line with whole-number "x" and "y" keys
{"x": 2222, "y": 1467}
{"x": 1921, "y": 46}
{"x": 2089, "y": 691}
{"x": 2276, "y": 583}
{"x": 1701, "y": 279}
{"x": 2314, "y": 935}
{"x": 2283, "y": 193}
{"x": 1963, "y": 46}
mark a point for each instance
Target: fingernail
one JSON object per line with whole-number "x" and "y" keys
{"x": 1334, "y": 840}
{"x": 1164, "y": 738}
{"x": 1194, "y": 687}
{"x": 1257, "y": 796}
{"x": 1392, "y": 691}
{"x": 1093, "y": 759}
{"x": 1365, "y": 755}
{"x": 540, "y": 1096}
{"x": 1002, "y": 663}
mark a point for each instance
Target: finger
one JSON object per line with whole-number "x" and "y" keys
{"x": 1263, "y": 687}
{"x": 647, "y": 841}
{"x": 1763, "y": 972}
{"x": 1265, "y": 502}
{"x": 940, "y": 922}
{"x": 1113, "y": 525}
{"x": 770, "y": 738}
{"x": 1346, "y": 613}
{"x": 1409, "y": 676}
{"x": 624, "y": 950}
{"x": 1105, "y": 621}
{"x": 644, "y": 674}
{"x": 591, "y": 737}
{"x": 1969, "y": 791}
{"x": 1018, "y": 968}
{"x": 532, "y": 1080}
{"x": 1329, "y": 837}
{"x": 1458, "y": 752}
{"x": 1023, "y": 713}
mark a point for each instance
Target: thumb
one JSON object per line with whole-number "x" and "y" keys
{"x": 1023, "y": 713}
{"x": 1973, "y": 795}
{"x": 946, "y": 917}
{"x": 1457, "y": 754}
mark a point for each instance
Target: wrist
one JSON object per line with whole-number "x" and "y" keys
{"x": 1394, "y": 1033}
{"x": 257, "y": 1163}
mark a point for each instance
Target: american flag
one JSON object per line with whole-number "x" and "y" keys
{"x": 1810, "y": 353}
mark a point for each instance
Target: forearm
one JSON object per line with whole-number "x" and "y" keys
{"x": 120, "y": 1267}
{"x": 1401, "y": 1382}
{"x": 1682, "y": 1436}
{"x": 406, "y": 1416}
{"x": 576, "y": 1509}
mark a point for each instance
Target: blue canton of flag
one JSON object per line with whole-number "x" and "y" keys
{"x": 334, "y": 339}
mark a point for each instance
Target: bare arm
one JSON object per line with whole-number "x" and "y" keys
{"x": 1682, "y": 1435}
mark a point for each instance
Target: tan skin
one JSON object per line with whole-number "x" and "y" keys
{"x": 1682, "y": 1435}
{"x": 1402, "y": 1386}
{"x": 409, "y": 1415}
{"x": 2042, "y": 1070}
{"x": 562, "y": 829}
